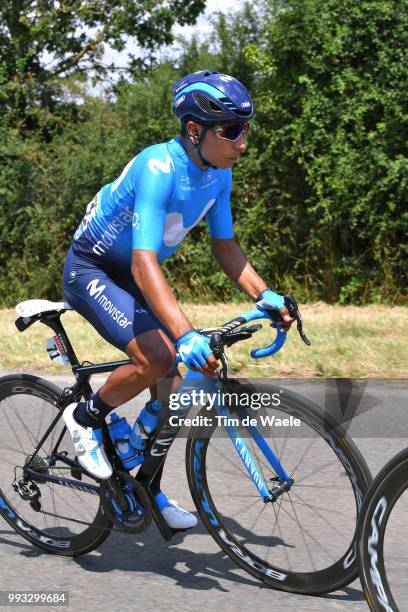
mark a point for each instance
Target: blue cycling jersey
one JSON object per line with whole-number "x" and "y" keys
{"x": 159, "y": 197}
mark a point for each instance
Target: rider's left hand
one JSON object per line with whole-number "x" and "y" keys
{"x": 276, "y": 302}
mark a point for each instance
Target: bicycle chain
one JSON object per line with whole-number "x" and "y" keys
{"x": 67, "y": 518}
{"x": 79, "y": 522}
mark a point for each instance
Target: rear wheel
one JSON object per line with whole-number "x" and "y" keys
{"x": 305, "y": 541}
{"x": 60, "y": 519}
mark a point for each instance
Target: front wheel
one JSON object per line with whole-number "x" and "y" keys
{"x": 305, "y": 541}
{"x": 383, "y": 537}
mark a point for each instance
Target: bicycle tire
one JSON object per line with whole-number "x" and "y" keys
{"x": 340, "y": 573}
{"x": 98, "y": 529}
{"x": 384, "y": 493}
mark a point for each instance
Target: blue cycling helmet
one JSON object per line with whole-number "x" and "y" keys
{"x": 212, "y": 98}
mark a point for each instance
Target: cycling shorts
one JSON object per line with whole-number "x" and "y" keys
{"x": 109, "y": 299}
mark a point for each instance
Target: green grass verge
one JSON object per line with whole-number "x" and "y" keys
{"x": 347, "y": 341}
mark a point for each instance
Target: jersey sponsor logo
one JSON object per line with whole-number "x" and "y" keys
{"x": 89, "y": 214}
{"x": 156, "y": 164}
{"x": 135, "y": 220}
{"x": 94, "y": 290}
{"x": 186, "y": 184}
{"x": 174, "y": 230}
{"x": 115, "y": 227}
{"x": 117, "y": 315}
{"x": 208, "y": 179}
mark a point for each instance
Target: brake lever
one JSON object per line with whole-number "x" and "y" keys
{"x": 294, "y": 312}
{"x": 217, "y": 347}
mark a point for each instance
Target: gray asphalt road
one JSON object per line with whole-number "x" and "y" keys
{"x": 190, "y": 572}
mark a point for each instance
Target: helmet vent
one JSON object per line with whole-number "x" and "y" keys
{"x": 237, "y": 111}
{"x": 205, "y": 104}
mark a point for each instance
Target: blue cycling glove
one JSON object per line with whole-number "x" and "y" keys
{"x": 272, "y": 299}
{"x": 193, "y": 349}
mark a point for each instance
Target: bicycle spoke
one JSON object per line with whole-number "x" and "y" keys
{"x": 302, "y": 457}
{"x": 311, "y": 560}
{"x": 234, "y": 465}
{"x": 30, "y": 436}
{"x": 302, "y": 503}
{"x": 306, "y": 531}
{"x": 317, "y": 472}
{"x": 277, "y": 525}
{"x": 14, "y": 432}
{"x": 315, "y": 511}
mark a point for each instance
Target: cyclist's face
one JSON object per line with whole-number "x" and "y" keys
{"x": 218, "y": 152}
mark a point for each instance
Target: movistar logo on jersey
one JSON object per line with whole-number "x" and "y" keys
{"x": 115, "y": 227}
{"x": 208, "y": 179}
{"x": 156, "y": 164}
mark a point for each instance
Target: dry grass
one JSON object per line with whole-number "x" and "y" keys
{"x": 347, "y": 341}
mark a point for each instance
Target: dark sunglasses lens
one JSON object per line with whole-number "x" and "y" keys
{"x": 232, "y": 132}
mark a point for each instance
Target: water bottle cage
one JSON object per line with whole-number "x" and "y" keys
{"x": 138, "y": 445}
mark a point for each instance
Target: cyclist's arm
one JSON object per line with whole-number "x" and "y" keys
{"x": 151, "y": 281}
{"x": 237, "y": 267}
{"x": 229, "y": 255}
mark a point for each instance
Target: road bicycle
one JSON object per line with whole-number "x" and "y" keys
{"x": 381, "y": 529}
{"x": 281, "y": 496}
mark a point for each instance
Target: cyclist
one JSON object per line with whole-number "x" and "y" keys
{"x": 112, "y": 274}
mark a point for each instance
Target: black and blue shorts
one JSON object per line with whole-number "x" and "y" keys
{"x": 109, "y": 299}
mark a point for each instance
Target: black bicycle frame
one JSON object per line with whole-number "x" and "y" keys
{"x": 155, "y": 454}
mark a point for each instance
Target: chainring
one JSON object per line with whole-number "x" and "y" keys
{"x": 139, "y": 515}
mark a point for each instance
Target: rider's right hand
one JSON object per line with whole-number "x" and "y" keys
{"x": 195, "y": 352}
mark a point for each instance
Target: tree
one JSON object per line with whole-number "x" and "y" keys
{"x": 333, "y": 164}
{"x": 45, "y": 42}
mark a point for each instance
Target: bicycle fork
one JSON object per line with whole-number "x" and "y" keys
{"x": 282, "y": 480}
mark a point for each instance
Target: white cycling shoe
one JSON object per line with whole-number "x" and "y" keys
{"x": 177, "y": 518}
{"x": 88, "y": 446}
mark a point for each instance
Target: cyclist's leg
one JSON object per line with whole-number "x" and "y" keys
{"x": 118, "y": 311}
{"x": 127, "y": 324}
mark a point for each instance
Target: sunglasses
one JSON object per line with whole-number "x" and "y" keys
{"x": 231, "y": 132}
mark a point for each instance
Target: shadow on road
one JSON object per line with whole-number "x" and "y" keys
{"x": 147, "y": 553}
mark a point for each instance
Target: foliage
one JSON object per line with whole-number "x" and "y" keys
{"x": 332, "y": 115}
{"x": 44, "y": 42}
{"x": 319, "y": 197}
